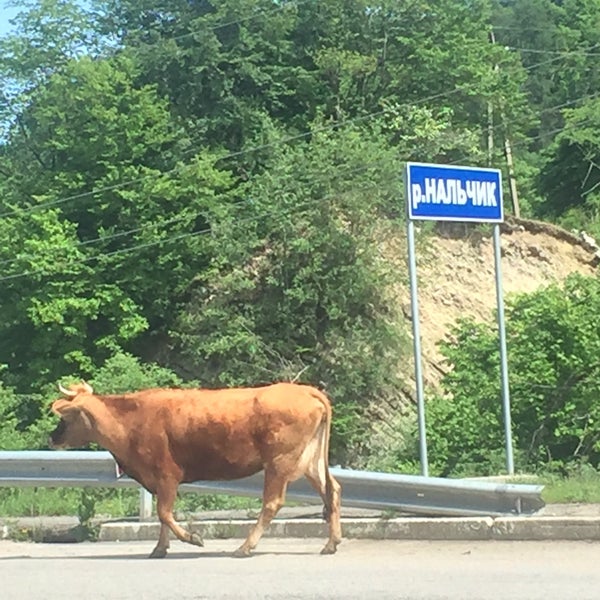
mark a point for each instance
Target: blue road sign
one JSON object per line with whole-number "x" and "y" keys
{"x": 452, "y": 193}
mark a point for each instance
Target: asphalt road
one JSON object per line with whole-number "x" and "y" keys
{"x": 293, "y": 569}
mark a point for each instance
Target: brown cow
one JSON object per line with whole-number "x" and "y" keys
{"x": 164, "y": 437}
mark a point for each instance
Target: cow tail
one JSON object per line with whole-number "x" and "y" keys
{"x": 331, "y": 486}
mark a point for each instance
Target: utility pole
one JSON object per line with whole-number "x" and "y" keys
{"x": 510, "y": 167}
{"x": 512, "y": 182}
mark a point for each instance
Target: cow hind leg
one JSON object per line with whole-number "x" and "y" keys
{"x": 316, "y": 470}
{"x": 165, "y": 499}
{"x": 333, "y": 509}
{"x": 273, "y": 499}
{"x": 330, "y": 491}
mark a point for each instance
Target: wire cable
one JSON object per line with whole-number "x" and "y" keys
{"x": 242, "y": 152}
{"x": 206, "y": 231}
{"x": 209, "y": 230}
{"x": 256, "y": 148}
{"x": 237, "y": 153}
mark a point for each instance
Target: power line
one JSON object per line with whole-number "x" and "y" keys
{"x": 529, "y": 139}
{"x": 557, "y": 107}
{"x": 548, "y": 109}
{"x": 579, "y": 52}
{"x": 237, "y": 153}
{"x": 156, "y": 242}
{"x": 180, "y": 217}
{"x": 243, "y": 201}
{"x": 307, "y": 205}
{"x": 105, "y": 238}
{"x": 556, "y": 58}
{"x": 514, "y": 28}
{"x": 292, "y": 210}
{"x": 242, "y": 152}
{"x": 553, "y": 59}
{"x": 553, "y": 131}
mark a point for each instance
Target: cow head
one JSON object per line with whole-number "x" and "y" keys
{"x": 75, "y": 426}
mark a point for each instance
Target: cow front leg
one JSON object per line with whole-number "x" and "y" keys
{"x": 160, "y": 551}
{"x": 165, "y": 499}
{"x": 273, "y": 499}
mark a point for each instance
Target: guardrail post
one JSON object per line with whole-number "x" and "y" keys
{"x": 145, "y": 504}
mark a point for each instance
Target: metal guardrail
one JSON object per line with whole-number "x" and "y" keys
{"x": 432, "y": 496}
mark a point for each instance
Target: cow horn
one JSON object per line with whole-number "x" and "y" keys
{"x": 67, "y": 393}
{"x": 88, "y": 388}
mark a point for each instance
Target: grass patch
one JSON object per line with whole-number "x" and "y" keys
{"x": 37, "y": 501}
{"x": 190, "y": 502}
{"x": 105, "y": 502}
{"x": 33, "y": 502}
{"x": 583, "y": 487}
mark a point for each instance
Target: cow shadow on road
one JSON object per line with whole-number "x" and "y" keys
{"x": 173, "y": 556}
{"x": 187, "y": 556}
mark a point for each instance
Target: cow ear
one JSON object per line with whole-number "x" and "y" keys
{"x": 66, "y": 409}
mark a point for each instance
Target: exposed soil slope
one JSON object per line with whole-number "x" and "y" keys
{"x": 456, "y": 274}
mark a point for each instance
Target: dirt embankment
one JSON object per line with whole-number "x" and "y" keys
{"x": 456, "y": 273}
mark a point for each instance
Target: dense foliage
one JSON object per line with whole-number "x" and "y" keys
{"x": 204, "y": 185}
{"x": 553, "y": 340}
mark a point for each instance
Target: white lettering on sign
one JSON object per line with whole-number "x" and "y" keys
{"x": 451, "y": 191}
{"x": 430, "y": 189}
{"x": 456, "y": 195}
{"x": 491, "y": 193}
{"x": 441, "y": 192}
{"x": 416, "y": 194}
{"x": 479, "y": 199}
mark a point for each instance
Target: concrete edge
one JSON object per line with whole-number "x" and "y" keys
{"x": 469, "y": 528}
{"x": 546, "y": 528}
{"x": 63, "y": 533}
{"x": 523, "y": 528}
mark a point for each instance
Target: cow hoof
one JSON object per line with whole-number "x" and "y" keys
{"x": 196, "y": 540}
{"x": 158, "y": 553}
{"x": 329, "y": 549}
{"x": 241, "y": 552}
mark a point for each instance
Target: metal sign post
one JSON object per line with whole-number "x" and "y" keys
{"x": 510, "y": 465}
{"x": 414, "y": 309}
{"x": 453, "y": 193}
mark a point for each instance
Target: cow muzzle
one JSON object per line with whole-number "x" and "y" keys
{"x": 56, "y": 438}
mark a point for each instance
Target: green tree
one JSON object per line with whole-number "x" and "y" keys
{"x": 230, "y": 69}
{"x": 97, "y": 209}
{"x": 22, "y": 422}
{"x": 227, "y": 67}
{"x": 553, "y": 350}
{"x": 558, "y": 44}
{"x": 464, "y": 422}
{"x": 570, "y": 178}
{"x": 208, "y": 184}
{"x": 124, "y": 372}
{"x": 299, "y": 287}
{"x": 47, "y": 35}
